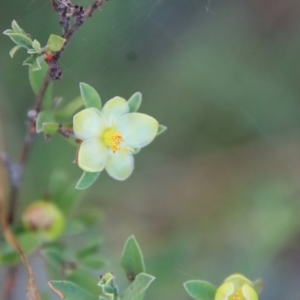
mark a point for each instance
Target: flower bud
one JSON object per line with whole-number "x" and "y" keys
{"x": 236, "y": 287}
{"x": 44, "y": 218}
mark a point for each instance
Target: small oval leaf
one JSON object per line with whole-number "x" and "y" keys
{"x": 134, "y": 102}
{"x": 29, "y": 61}
{"x": 21, "y": 40}
{"x": 136, "y": 290}
{"x": 132, "y": 259}
{"x": 86, "y": 180}
{"x": 90, "y": 96}
{"x": 13, "y": 51}
{"x": 55, "y": 43}
{"x": 200, "y": 290}
{"x": 36, "y": 45}
{"x": 16, "y": 27}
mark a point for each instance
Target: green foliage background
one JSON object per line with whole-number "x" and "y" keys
{"x": 218, "y": 193}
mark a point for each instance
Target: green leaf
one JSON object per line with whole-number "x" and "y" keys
{"x": 44, "y": 117}
{"x": 13, "y": 51}
{"x": 32, "y": 51}
{"x": 132, "y": 259}
{"x": 36, "y": 78}
{"x": 29, "y": 61}
{"x": 200, "y": 290}
{"x": 68, "y": 198}
{"x": 55, "y": 43}
{"x": 161, "y": 129}
{"x": 90, "y": 96}
{"x": 74, "y": 228}
{"x": 50, "y": 128}
{"x": 21, "y": 40}
{"x": 8, "y": 31}
{"x": 69, "y": 291}
{"x": 16, "y": 27}
{"x": 28, "y": 241}
{"x": 138, "y": 287}
{"x": 86, "y": 180}
{"x": 37, "y": 64}
{"x": 57, "y": 184}
{"x": 69, "y": 110}
{"x": 54, "y": 257}
{"x": 91, "y": 248}
{"x": 36, "y": 45}
{"x": 93, "y": 262}
{"x": 134, "y": 102}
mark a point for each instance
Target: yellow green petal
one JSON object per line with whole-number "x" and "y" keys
{"x": 92, "y": 155}
{"x": 114, "y": 109}
{"x": 224, "y": 291}
{"x": 88, "y": 123}
{"x": 119, "y": 165}
{"x": 137, "y": 130}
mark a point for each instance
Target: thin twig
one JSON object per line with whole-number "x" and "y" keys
{"x": 7, "y": 219}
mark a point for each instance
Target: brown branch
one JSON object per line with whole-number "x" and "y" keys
{"x": 16, "y": 171}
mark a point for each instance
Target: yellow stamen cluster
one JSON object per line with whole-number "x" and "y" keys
{"x": 112, "y": 139}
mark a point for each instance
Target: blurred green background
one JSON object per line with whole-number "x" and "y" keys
{"x": 218, "y": 193}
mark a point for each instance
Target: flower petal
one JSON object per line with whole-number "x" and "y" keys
{"x": 119, "y": 165}
{"x": 92, "y": 155}
{"x": 224, "y": 291}
{"x": 88, "y": 123}
{"x": 137, "y": 130}
{"x": 249, "y": 292}
{"x": 114, "y": 109}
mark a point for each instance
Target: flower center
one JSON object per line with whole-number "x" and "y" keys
{"x": 112, "y": 139}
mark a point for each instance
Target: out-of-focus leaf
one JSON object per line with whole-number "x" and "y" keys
{"x": 86, "y": 180}
{"x": 68, "y": 110}
{"x": 57, "y": 184}
{"x": 55, "y": 43}
{"x": 91, "y": 248}
{"x": 70, "y": 291}
{"x": 132, "y": 259}
{"x": 138, "y": 287}
{"x": 28, "y": 242}
{"x": 74, "y": 228}
{"x": 36, "y": 78}
{"x": 90, "y": 96}
{"x": 53, "y": 256}
{"x": 93, "y": 262}
{"x": 14, "y": 50}
{"x": 200, "y": 290}
{"x": 134, "y": 102}
{"x": 44, "y": 117}
{"x": 86, "y": 281}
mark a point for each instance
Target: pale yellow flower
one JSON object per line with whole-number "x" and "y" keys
{"x": 110, "y": 137}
